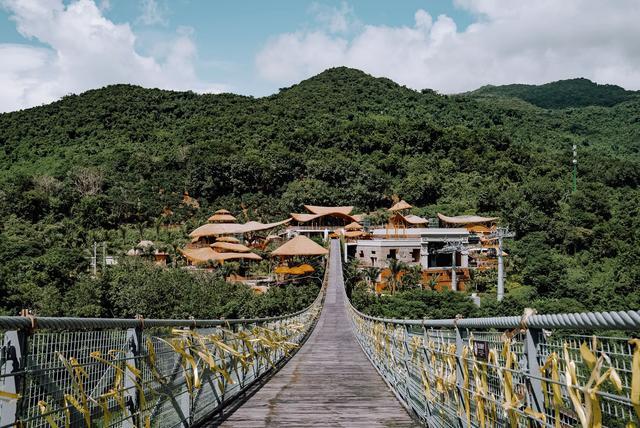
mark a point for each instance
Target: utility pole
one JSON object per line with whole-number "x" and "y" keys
{"x": 575, "y": 167}
{"x": 94, "y": 260}
{"x": 453, "y": 246}
{"x": 500, "y": 234}
{"x": 104, "y": 256}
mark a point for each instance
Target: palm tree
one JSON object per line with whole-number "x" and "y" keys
{"x": 412, "y": 277}
{"x": 371, "y": 274}
{"x": 395, "y": 267}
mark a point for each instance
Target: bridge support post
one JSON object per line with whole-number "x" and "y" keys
{"x": 460, "y": 343}
{"x": 534, "y": 385}
{"x": 132, "y": 394}
{"x": 13, "y": 357}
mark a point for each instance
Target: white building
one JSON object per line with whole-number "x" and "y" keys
{"x": 418, "y": 246}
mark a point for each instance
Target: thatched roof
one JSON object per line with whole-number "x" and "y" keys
{"x": 414, "y": 219}
{"x": 202, "y": 255}
{"x": 466, "y": 219}
{"x": 355, "y": 234}
{"x": 198, "y": 255}
{"x": 230, "y": 247}
{"x": 234, "y": 256}
{"x": 214, "y": 229}
{"x": 300, "y": 246}
{"x": 328, "y": 210}
{"x": 223, "y": 211}
{"x": 353, "y": 226}
{"x": 478, "y": 228}
{"x": 402, "y": 205}
{"x": 305, "y": 217}
{"x": 409, "y": 219}
{"x": 295, "y": 270}
{"x": 228, "y": 239}
{"x": 222, "y": 218}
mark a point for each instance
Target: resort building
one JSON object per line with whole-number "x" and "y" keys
{"x": 445, "y": 254}
{"x": 321, "y": 221}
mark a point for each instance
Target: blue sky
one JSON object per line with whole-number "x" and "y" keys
{"x": 54, "y": 47}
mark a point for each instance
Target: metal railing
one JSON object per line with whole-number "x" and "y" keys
{"x": 555, "y": 371}
{"x": 77, "y": 372}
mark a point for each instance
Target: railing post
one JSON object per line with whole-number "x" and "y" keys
{"x": 427, "y": 371}
{"x": 132, "y": 394}
{"x": 13, "y": 357}
{"x": 460, "y": 336}
{"x": 532, "y": 339}
{"x": 406, "y": 364}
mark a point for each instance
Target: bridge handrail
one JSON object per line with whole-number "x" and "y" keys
{"x": 615, "y": 320}
{"x": 63, "y": 323}
{"x": 74, "y": 372}
{"x": 540, "y": 370}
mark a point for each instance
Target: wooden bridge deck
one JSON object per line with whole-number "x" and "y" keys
{"x": 329, "y": 382}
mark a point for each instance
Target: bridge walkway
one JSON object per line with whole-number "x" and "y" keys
{"x": 329, "y": 382}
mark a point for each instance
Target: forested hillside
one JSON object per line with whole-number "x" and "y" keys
{"x": 564, "y": 93}
{"x": 112, "y": 165}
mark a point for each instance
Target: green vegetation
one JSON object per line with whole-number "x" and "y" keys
{"x": 562, "y": 94}
{"x": 135, "y": 287}
{"x": 112, "y": 165}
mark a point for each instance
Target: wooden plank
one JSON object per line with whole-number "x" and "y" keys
{"x": 329, "y": 382}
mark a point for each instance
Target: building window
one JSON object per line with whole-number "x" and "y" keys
{"x": 415, "y": 255}
{"x": 392, "y": 254}
{"x": 373, "y": 252}
{"x": 361, "y": 255}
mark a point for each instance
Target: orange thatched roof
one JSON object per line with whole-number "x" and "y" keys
{"x": 328, "y": 210}
{"x": 223, "y": 211}
{"x": 230, "y": 247}
{"x": 214, "y": 229}
{"x": 466, "y": 219}
{"x": 222, "y": 218}
{"x": 202, "y": 255}
{"x": 353, "y": 226}
{"x": 228, "y": 239}
{"x": 354, "y": 234}
{"x": 300, "y": 246}
{"x": 295, "y": 270}
{"x": 402, "y": 205}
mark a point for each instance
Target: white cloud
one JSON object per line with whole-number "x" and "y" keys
{"x": 153, "y": 13}
{"x": 85, "y": 50}
{"x": 335, "y": 19}
{"x": 511, "y": 41}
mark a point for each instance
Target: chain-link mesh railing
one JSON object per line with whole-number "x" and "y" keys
{"x": 539, "y": 370}
{"x": 74, "y": 372}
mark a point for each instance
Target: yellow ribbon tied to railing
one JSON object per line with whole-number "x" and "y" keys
{"x": 589, "y": 413}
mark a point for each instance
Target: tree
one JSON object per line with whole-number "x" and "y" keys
{"x": 395, "y": 267}
{"x": 411, "y": 277}
{"x": 88, "y": 181}
{"x": 371, "y": 274}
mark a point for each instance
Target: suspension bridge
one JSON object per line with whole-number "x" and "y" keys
{"x": 327, "y": 365}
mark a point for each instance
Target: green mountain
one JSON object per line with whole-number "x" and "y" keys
{"x": 112, "y": 165}
{"x": 562, "y": 94}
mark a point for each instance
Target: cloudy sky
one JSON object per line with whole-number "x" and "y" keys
{"x": 50, "y": 48}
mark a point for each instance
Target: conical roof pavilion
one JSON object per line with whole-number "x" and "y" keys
{"x": 300, "y": 246}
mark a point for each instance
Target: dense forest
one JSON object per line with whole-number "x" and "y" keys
{"x": 112, "y": 165}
